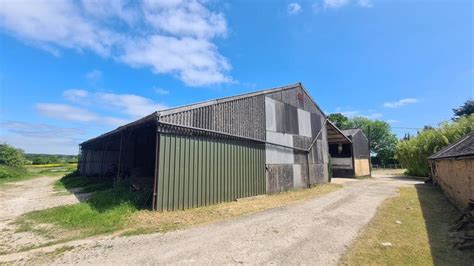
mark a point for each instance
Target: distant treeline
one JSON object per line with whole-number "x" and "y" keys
{"x": 50, "y": 158}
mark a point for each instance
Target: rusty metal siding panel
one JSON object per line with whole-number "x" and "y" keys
{"x": 199, "y": 171}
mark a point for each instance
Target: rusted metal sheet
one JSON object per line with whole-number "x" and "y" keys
{"x": 198, "y": 171}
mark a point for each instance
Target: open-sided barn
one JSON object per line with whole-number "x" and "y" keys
{"x": 219, "y": 150}
{"x": 350, "y": 159}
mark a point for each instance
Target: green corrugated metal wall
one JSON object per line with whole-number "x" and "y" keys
{"x": 200, "y": 171}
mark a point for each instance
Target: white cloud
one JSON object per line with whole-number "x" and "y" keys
{"x": 75, "y": 95}
{"x": 65, "y": 112}
{"x": 370, "y": 114}
{"x": 400, "y": 103}
{"x": 294, "y": 8}
{"x": 373, "y": 115}
{"x": 133, "y": 105}
{"x": 176, "y": 36}
{"x": 41, "y": 138}
{"x": 393, "y": 121}
{"x": 94, "y": 75}
{"x": 130, "y": 105}
{"x": 335, "y": 3}
{"x": 195, "y": 61}
{"x": 365, "y": 3}
{"x": 162, "y": 91}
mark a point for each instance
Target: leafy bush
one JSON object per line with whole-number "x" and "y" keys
{"x": 11, "y": 156}
{"x": 413, "y": 153}
{"x": 11, "y": 172}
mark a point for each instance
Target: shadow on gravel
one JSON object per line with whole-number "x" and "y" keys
{"x": 439, "y": 214}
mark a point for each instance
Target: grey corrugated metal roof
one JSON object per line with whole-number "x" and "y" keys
{"x": 183, "y": 108}
{"x": 351, "y": 132}
{"x": 462, "y": 147}
{"x": 231, "y": 98}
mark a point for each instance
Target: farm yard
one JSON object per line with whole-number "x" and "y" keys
{"x": 195, "y": 132}
{"x": 51, "y": 227}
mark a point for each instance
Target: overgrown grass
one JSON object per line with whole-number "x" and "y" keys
{"x": 11, "y": 174}
{"x": 86, "y": 184}
{"x": 421, "y": 237}
{"x": 119, "y": 210}
{"x": 51, "y": 169}
{"x": 106, "y": 211}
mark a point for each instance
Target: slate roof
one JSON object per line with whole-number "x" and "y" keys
{"x": 461, "y": 148}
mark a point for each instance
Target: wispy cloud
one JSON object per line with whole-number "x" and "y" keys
{"x": 94, "y": 75}
{"x": 393, "y": 121}
{"x": 75, "y": 95}
{"x": 294, "y": 8}
{"x": 129, "y": 105}
{"x": 370, "y": 114}
{"x": 161, "y": 91}
{"x": 41, "y": 138}
{"x": 65, "y": 112}
{"x": 400, "y": 103}
{"x": 170, "y": 37}
{"x": 335, "y": 4}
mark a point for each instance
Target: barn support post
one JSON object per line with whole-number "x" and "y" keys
{"x": 155, "y": 180}
{"x": 120, "y": 157}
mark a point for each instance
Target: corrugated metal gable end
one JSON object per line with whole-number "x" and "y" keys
{"x": 243, "y": 117}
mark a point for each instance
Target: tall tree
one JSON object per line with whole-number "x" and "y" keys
{"x": 464, "y": 110}
{"x": 339, "y": 120}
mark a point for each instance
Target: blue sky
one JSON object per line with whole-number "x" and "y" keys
{"x": 70, "y": 70}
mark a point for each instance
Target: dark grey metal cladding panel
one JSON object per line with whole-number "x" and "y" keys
{"x": 315, "y": 124}
{"x": 290, "y": 119}
{"x": 318, "y": 174}
{"x": 280, "y": 116}
{"x": 279, "y": 177}
{"x": 243, "y": 117}
{"x": 360, "y": 146}
{"x": 316, "y": 154}
{"x": 300, "y": 157}
{"x": 275, "y": 95}
{"x": 301, "y": 142}
{"x": 290, "y": 97}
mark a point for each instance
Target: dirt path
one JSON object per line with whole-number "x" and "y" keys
{"x": 22, "y": 197}
{"x": 316, "y": 231}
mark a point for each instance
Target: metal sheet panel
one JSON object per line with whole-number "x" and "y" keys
{"x": 243, "y": 117}
{"x": 198, "y": 171}
{"x": 270, "y": 114}
{"x": 298, "y": 181}
{"x": 279, "y": 155}
{"x": 304, "y": 123}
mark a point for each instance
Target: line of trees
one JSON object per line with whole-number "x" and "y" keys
{"x": 411, "y": 151}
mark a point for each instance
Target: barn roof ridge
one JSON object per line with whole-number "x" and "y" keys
{"x": 463, "y": 147}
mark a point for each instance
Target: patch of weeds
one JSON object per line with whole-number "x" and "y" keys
{"x": 75, "y": 181}
{"x": 106, "y": 211}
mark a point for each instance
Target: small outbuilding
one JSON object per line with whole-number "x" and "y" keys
{"x": 219, "y": 150}
{"x": 452, "y": 168}
{"x": 350, "y": 158}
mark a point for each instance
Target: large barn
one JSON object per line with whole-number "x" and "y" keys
{"x": 219, "y": 150}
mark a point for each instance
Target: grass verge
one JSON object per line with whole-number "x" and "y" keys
{"x": 119, "y": 210}
{"x": 75, "y": 181}
{"x": 420, "y": 237}
{"x": 10, "y": 174}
